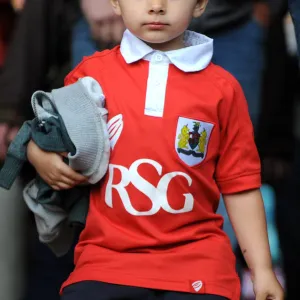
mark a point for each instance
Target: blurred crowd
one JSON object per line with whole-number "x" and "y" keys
{"x": 42, "y": 40}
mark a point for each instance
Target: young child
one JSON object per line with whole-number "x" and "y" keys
{"x": 180, "y": 135}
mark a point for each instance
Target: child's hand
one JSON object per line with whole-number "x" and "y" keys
{"x": 52, "y": 169}
{"x": 266, "y": 286}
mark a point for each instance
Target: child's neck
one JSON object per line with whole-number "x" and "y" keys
{"x": 175, "y": 44}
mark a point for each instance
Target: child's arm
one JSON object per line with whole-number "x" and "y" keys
{"x": 247, "y": 215}
{"x": 52, "y": 169}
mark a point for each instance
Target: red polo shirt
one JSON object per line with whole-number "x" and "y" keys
{"x": 152, "y": 220}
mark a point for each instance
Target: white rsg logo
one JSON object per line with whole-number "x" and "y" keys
{"x": 157, "y": 194}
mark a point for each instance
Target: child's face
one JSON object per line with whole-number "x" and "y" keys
{"x": 159, "y": 22}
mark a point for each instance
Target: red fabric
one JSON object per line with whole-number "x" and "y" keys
{"x": 169, "y": 251}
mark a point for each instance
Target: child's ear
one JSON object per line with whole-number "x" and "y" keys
{"x": 116, "y": 6}
{"x": 200, "y": 8}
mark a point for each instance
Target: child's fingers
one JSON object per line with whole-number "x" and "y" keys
{"x": 68, "y": 172}
{"x": 63, "y": 186}
{"x": 55, "y": 187}
{"x": 261, "y": 296}
{"x": 60, "y": 186}
{"x": 64, "y": 154}
{"x": 67, "y": 181}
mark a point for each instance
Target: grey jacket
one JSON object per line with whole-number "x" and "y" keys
{"x": 71, "y": 119}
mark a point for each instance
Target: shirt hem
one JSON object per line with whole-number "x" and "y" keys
{"x": 129, "y": 280}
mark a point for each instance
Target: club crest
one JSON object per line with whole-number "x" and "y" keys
{"x": 191, "y": 141}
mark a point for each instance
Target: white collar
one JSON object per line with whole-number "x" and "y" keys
{"x": 196, "y": 56}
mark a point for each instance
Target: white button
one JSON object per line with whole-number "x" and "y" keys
{"x": 158, "y": 57}
{"x": 157, "y": 83}
{"x": 159, "y": 108}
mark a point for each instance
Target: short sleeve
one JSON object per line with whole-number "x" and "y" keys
{"x": 89, "y": 66}
{"x": 238, "y": 168}
{"x": 77, "y": 73}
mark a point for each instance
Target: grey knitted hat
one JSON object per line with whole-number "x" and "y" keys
{"x": 81, "y": 106}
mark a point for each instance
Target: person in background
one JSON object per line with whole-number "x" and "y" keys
{"x": 289, "y": 208}
{"x": 11, "y": 208}
{"x": 46, "y": 24}
{"x": 239, "y": 31}
{"x": 294, "y": 6}
{"x": 98, "y": 28}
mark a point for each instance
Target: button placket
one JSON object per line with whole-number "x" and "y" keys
{"x": 157, "y": 82}
{"x": 156, "y": 88}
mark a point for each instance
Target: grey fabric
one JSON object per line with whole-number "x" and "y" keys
{"x": 85, "y": 120}
{"x": 81, "y": 109}
{"x": 71, "y": 119}
{"x": 13, "y": 241}
{"x": 15, "y": 157}
{"x": 51, "y": 136}
{"x": 51, "y": 221}
{"x": 89, "y": 133}
{"x": 56, "y": 212}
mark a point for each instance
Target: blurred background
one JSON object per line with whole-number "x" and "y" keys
{"x": 42, "y": 40}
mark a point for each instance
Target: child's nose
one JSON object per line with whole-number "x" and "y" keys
{"x": 157, "y": 6}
